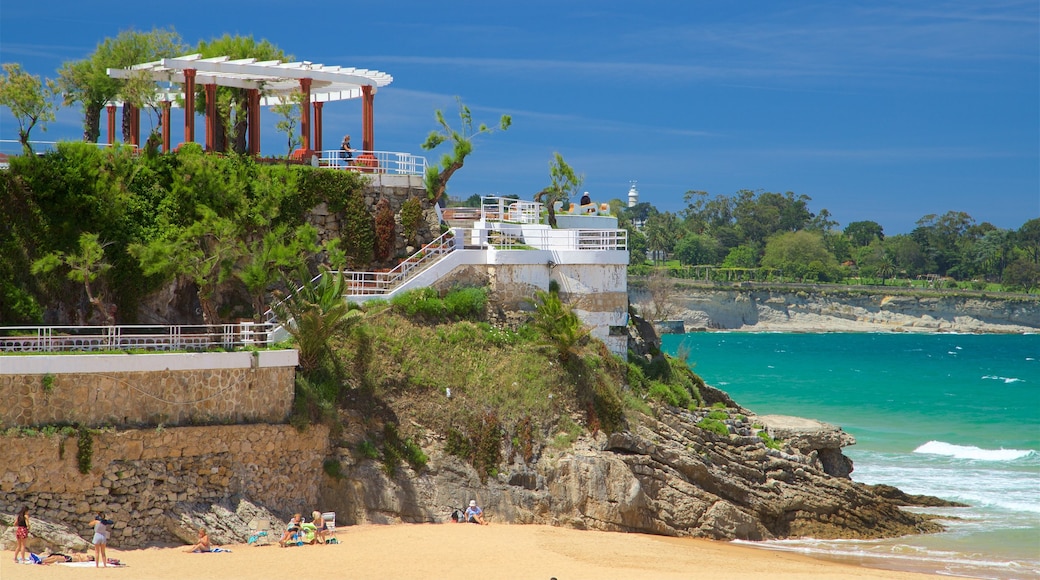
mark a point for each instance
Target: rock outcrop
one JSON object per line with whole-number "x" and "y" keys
{"x": 666, "y": 476}
{"x": 833, "y": 309}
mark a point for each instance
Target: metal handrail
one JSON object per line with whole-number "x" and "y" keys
{"x": 135, "y": 337}
{"x": 377, "y": 283}
{"x": 383, "y": 162}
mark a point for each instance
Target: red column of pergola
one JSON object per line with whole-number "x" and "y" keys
{"x": 317, "y": 125}
{"x": 253, "y": 112}
{"x": 189, "y": 105}
{"x": 368, "y": 133}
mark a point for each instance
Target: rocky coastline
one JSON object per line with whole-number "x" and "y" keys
{"x": 750, "y": 478}
{"x": 838, "y": 309}
{"x": 664, "y": 475}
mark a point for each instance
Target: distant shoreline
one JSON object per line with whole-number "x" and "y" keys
{"x": 824, "y": 308}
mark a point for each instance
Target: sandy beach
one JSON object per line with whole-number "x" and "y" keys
{"x": 465, "y": 551}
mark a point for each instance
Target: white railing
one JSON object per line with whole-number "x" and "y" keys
{"x": 507, "y": 209}
{"x": 384, "y": 162}
{"x": 134, "y": 337}
{"x": 377, "y": 283}
{"x": 550, "y": 239}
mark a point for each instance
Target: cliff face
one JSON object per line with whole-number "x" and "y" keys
{"x": 666, "y": 476}
{"x": 841, "y": 311}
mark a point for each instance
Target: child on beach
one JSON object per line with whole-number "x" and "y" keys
{"x": 21, "y": 533}
{"x": 100, "y": 540}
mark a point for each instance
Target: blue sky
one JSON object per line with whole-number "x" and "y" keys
{"x": 884, "y": 111}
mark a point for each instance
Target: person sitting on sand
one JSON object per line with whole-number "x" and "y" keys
{"x": 474, "y": 514}
{"x": 321, "y": 531}
{"x": 293, "y": 529}
{"x": 202, "y": 545}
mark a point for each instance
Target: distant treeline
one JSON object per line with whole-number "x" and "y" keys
{"x": 755, "y": 231}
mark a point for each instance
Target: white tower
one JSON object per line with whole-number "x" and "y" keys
{"x": 633, "y": 195}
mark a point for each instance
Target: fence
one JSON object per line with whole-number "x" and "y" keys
{"x": 384, "y": 162}
{"x": 133, "y": 337}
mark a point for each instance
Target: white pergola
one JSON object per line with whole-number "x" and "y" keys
{"x": 267, "y": 83}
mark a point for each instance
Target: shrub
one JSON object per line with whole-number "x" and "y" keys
{"x": 385, "y": 231}
{"x": 769, "y": 441}
{"x": 367, "y": 450}
{"x": 465, "y": 303}
{"x": 715, "y": 426}
{"x": 333, "y": 468}
{"x": 419, "y": 303}
{"x": 411, "y": 217}
{"x": 84, "y": 450}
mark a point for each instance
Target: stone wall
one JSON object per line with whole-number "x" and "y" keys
{"x": 145, "y": 479}
{"x": 329, "y": 223}
{"x": 147, "y": 389}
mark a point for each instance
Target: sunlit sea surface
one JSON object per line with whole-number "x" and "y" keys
{"x": 950, "y": 415}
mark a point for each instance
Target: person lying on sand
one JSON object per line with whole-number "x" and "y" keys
{"x": 59, "y": 558}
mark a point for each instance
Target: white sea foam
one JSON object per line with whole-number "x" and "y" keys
{"x": 972, "y": 452}
{"x": 899, "y": 556}
{"x": 1005, "y": 379}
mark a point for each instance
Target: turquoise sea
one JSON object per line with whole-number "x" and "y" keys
{"x": 956, "y": 416}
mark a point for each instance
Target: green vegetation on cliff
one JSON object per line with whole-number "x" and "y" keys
{"x": 230, "y": 227}
{"x": 428, "y": 365}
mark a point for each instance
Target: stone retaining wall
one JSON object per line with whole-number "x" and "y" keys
{"x": 147, "y": 389}
{"x": 144, "y": 478}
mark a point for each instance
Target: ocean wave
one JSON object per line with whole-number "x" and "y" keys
{"x": 1005, "y": 379}
{"x": 972, "y": 452}
{"x": 903, "y": 557}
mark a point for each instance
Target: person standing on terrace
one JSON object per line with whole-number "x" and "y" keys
{"x": 346, "y": 153}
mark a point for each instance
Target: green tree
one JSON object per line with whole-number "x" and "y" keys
{"x": 697, "y": 249}
{"x": 30, "y": 100}
{"x": 233, "y": 103}
{"x": 436, "y": 178}
{"x": 906, "y": 255}
{"x": 563, "y": 183}
{"x": 288, "y": 111}
{"x": 1022, "y": 274}
{"x": 270, "y": 258}
{"x": 862, "y": 233}
{"x": 128, "y": 48}
{"x": 875, "y": 261}
{"x": 205, "y": 252}
{"x": 795, "y": 253}
{"x": 85, "y": 267}
{"x": 760, "y": 215}
{"x": 1028, "y": 238}
{"x": 943, "y": 237}
{"x": 744, "y": 256}
{"x": 662, "y": 231}
{"x": 87, "y": 82}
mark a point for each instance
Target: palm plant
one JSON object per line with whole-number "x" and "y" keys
{"x": 559, "y": 326}
{"x": 314, "y": 313}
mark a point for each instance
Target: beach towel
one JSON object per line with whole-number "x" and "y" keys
{"x": 112, "y": 562}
